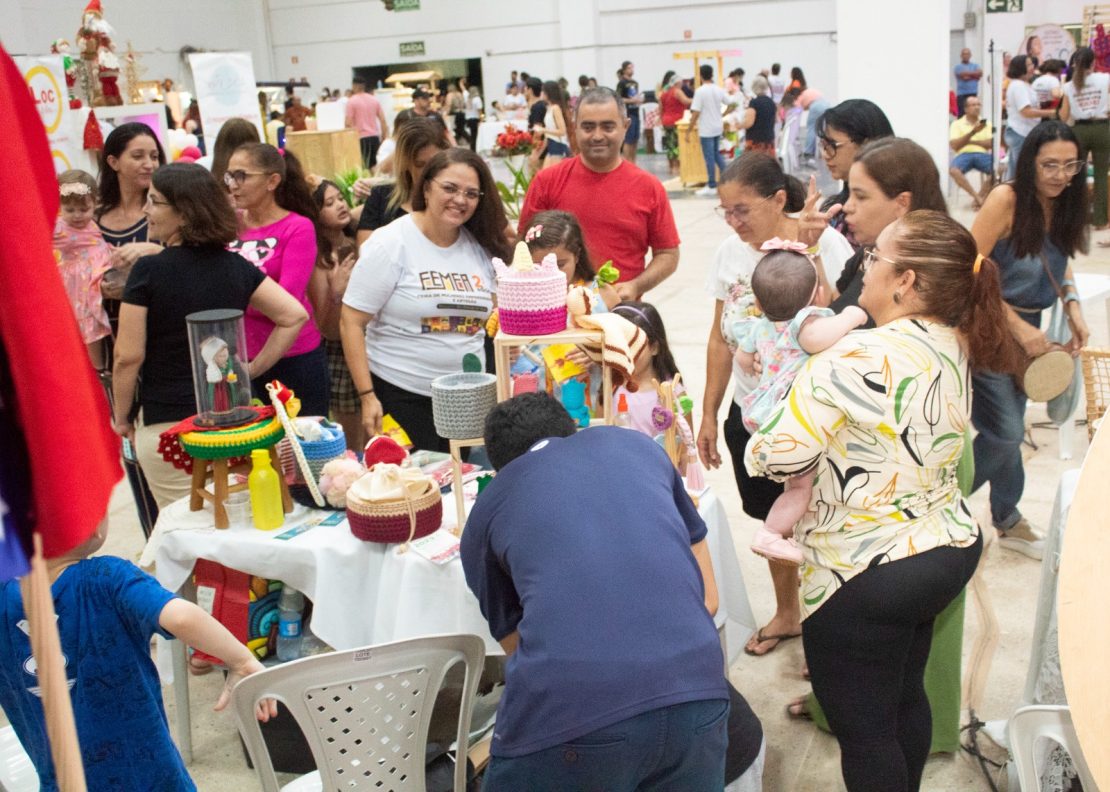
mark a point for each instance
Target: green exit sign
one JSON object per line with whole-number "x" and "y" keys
{"x": 1004, "y": 6}
{"x": 406, "y": 5}
{"x": 412, "y": 48}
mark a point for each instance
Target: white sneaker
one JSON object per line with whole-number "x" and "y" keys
{"x": 1023, "y": 538}
{"x": 706, "y": 192}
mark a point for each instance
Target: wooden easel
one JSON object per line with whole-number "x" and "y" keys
{"x": 717, "y": 55}
{"x": 219, "y": 469}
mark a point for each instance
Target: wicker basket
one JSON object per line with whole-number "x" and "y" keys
{"x": 1096, "y": 382}
{"x": 460, "y": 403}
{"x": 396, "y": 520}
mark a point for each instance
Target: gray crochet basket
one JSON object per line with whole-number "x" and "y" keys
{"x": 460, "y": 403}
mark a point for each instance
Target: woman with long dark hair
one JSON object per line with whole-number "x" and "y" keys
{"x": 187, "y": 212}
{"x": 1023, "y": 110}
{"x": 1031, "y": 226}
{"x": 556, "y": 124}
{"x": 278, "y": 235}
{"x": 421, "y": 292}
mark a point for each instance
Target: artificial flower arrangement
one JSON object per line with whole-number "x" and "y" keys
{"x": 512, "y": 142}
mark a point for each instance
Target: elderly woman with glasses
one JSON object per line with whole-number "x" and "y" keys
{"x": 420, "y": 294}
{"x": 1031, "y": 226}
{"x": 278, "y": 228}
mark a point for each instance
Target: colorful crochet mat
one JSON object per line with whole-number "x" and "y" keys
{"x": 185, "y": 441}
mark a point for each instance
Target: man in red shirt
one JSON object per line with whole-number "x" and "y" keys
{"x": 365, "y": 114}
{"x": 623, "y": 211}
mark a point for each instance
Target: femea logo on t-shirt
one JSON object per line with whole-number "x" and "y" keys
{"x": 462, "y": 294}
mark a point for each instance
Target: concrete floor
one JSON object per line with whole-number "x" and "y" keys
{"x": 799, "y": 757}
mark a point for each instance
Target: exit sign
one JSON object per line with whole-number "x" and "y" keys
{"x": 406, "y": 5}
{"x": 1004, "y": 6}
{"x": 409, "y": 48}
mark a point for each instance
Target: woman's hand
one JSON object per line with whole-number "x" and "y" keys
{"x": 372, "y": 414}
{"x": 361, "y": 189}
{"x": 1034, "y": 342}
{"x": 707, "y": 442}
{"x": 813, "y": 222}
{"x": 340, "y": 275}
{"x": 125, "y": 256}
{"x": 124, "y": 429}
{"x": 1081, "y": 334}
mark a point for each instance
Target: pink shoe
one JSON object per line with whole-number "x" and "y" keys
{"x": 776, "y": 548}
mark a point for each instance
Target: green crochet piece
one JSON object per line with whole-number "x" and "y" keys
{"x": 608, "y": 273}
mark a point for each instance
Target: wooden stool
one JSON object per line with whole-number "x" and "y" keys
{"x": 219, "y": 469}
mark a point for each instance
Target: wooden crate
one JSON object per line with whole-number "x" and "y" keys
{"x": 326, "y": 154}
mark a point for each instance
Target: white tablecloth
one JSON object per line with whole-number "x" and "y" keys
{"x": 489, "y": 130}
{"x": 366, "y": 593}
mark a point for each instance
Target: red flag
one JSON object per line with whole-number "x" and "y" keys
{"x": 74, "y": 455}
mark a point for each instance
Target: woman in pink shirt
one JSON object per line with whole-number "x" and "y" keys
{"x": 278, "y": 235}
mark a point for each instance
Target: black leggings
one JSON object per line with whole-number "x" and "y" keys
{"x": 866, "y": 649}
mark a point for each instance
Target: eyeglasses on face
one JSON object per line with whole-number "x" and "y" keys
{"x": 870, "y": 257}
{"x": 150, "y": 199}
{"x": 238, "y": 177}
{"x": 830, "y": 147}
{"x": 1053, "y": 169}
{"x": 739, "y": 213}
{"x": 451, "y": 190}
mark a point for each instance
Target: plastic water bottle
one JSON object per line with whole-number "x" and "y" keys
{"x": 290, "y": 608}
{"x": 623, "y": 418}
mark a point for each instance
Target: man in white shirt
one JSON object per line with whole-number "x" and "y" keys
{"x": 706, "y": 114}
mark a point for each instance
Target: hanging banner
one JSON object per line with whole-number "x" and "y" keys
{"x": 46, "y": 79}
{"x": 225, "y": 89}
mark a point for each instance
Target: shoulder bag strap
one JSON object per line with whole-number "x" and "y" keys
{"x": 1059, "y": 293}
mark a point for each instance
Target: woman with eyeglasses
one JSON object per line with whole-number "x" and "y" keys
{"x": 1031, "y": 226}
{"x": 757, "y": 201}
{"x": 420, "y": 294}
{"x": 277, "y": 233}
{"x": 888, "y": 541}
{"x": 187, "y": 211}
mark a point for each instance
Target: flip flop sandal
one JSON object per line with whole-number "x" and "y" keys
{"x": 778, "y": 639}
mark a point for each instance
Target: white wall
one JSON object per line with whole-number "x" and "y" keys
{"x": 157, "y": 29}
{"x": 553, "y": 38}
{"x": 905, "y": 74}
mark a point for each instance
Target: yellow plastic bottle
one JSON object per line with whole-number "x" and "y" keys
{"x": 265, "y": 489}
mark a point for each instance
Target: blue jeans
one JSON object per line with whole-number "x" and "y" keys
{"x": 998, "y": 413}
{"x": 817, "y": 109}
{"x": 1014, "y": 142}
{"x": 711, "y": 152}
{"x": 677, "y": 747}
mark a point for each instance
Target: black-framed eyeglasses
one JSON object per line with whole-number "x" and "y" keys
{"x": 870, "y": 257}
{"x": 453, "y": 189}
{"x": 238, "y": 177}
{"x": 830, "y": 147}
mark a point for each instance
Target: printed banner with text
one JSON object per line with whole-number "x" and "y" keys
{"x": 226, "y": 89}
{"x": 46, "y": 79}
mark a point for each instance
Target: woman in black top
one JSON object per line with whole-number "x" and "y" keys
{"x": 189, "y": 213}
{"x": 417, "y": 142}
{"x": 759, "y": 119}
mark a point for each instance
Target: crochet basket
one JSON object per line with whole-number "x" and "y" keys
{"x": 398, "y": 520}
{"x": 460, "y": 403}
{"x": 532, "y": 323}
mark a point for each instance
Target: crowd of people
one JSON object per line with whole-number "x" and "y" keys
{"x": 845, "y": 442}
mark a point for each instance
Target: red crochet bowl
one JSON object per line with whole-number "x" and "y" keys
{"x": 391, "y": 521}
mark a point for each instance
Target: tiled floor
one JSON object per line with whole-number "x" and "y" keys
{"x": 799, "y": 756}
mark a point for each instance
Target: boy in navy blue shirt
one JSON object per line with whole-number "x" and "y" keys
{"x": 107, "y": 610}
{"x": 589, "y": 561}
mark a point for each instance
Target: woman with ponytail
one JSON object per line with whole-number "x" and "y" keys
{"x": 889, "y": 540}
{"x": 278, "y": 231}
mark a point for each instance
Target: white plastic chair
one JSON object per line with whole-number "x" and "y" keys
{"x": 1033, "y": 723}
{"x": 17, "y": 773}
{"x": 365, "y": 712}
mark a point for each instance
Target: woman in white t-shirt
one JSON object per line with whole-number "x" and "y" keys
{"x": 474, "y": 109}
{"x": 421, "y": 292}
{"x": 1087, "y": 102}
{"x": 1022, "y": 109}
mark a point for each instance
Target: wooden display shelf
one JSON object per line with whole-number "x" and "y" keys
{"x": 326, "y": 154}
{"x": 691, "y": 162}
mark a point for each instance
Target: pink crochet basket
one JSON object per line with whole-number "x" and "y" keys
{"x": 531, "y": 300}
{"x": 395, "y": 521}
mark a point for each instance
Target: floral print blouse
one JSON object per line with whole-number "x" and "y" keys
{"x": 881, "y": 416}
